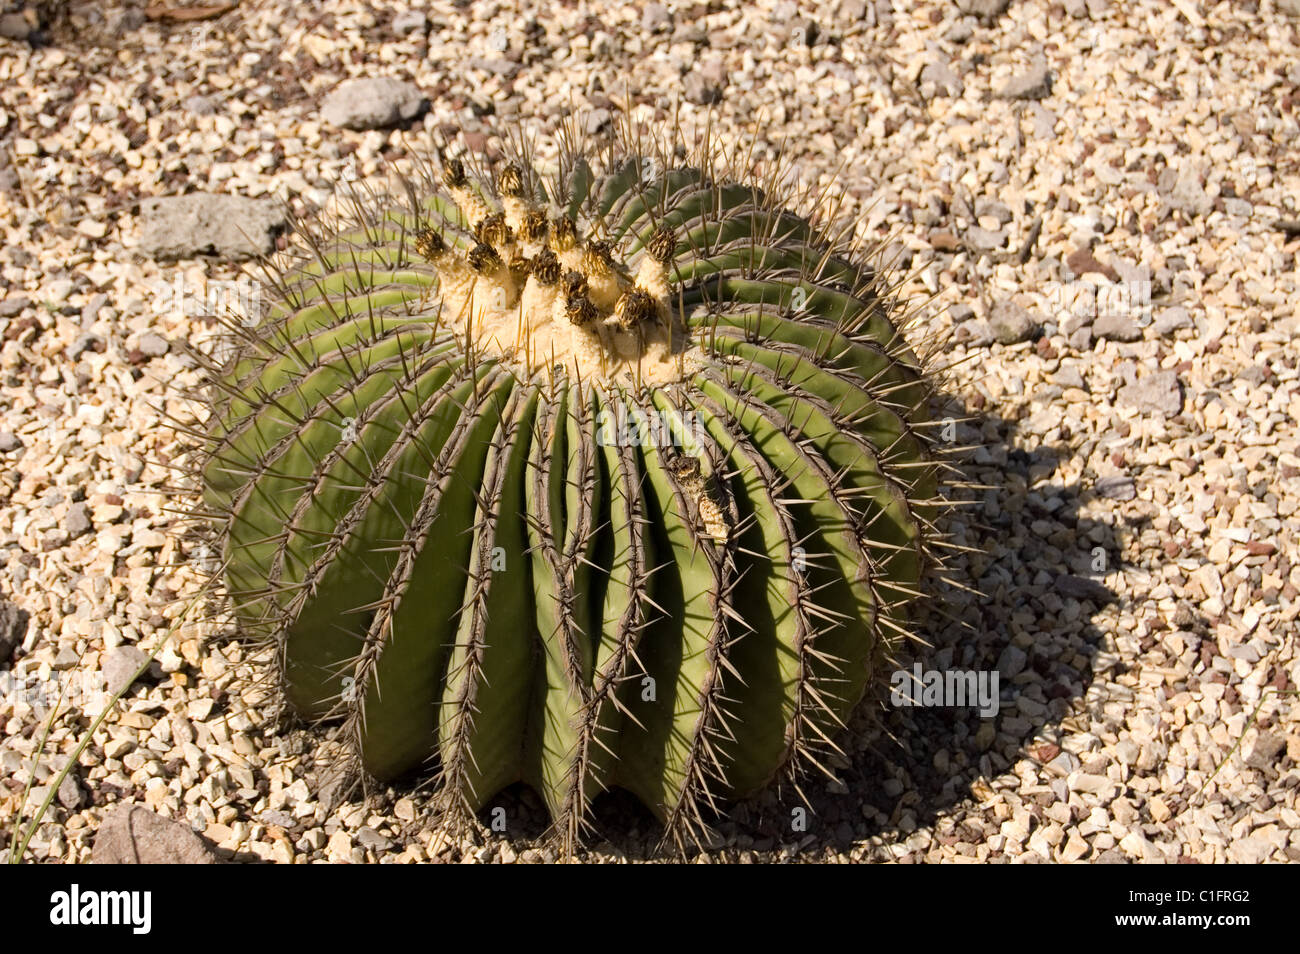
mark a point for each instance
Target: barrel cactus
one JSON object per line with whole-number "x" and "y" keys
{"x": 612, "y": 476}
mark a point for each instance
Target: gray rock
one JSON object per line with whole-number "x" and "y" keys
{"x": 1289, "y": 7}
{"x": 1012, "y": 661}
{"x": 70, "y": 795}
{"x": 1081, "y": 338}
{"x": 1064, "y": 763}
{"x": 1171, "y": 320}
{"x": 1044, "y": 121}
{"x": 373, "y": 103}
{"x": 90, "y": 311}
{"x": 1131, "y": 274}
{"x": 1184, "y": 615}
{"x": 1266, "y": 749}
{"x": 369, "y": 838}
{"x": 411, "y": 21}
{"x": 898, "y": 256}
{"x": 9, "y": 442}
{"x": 152, "y": 344}
{"x": 14, "y": 26}
{"x": 992, "y": 208}
{"x": 1183, "y": 192}
{"x": 1034, "y": 83}
{"x": 1069, "y": 377}
{"x": 985, "y": 240}
{"x": 335, "y": 786}
{"x": 84, "y": 343}
{"x": 975, "y": 331}
{"x": 701, "y": 90}
{"x": 984, "y": 9}
{"x": 597, "y": 119}
{"x": 1116, "y": 326}
{"x": 13, "y": 629}
{"x": 1009, "y": 323}
{"x": 1083, "y": 9}
{"x": 1119, "y": 487}
{"x": 692, "y": 33}
{"x": 132, "y": 835}
{"x": 199, "y": 106}
{"x": 941, "y": 80}
{"x": 1111, "y": 857}
{"x": 202, "y": 224}
{"x": 655, "y": 18}
{"x": 1082, "y": 588}
{"x": 119, "y": 667}
{"x": 1239, "y": 207}
{"x": 13, "y": 306}
{"x": 497, "y": 65}
{"x": 1156, "y": 393}
{"x": 119, "y": 22}
{"x": 961, "y": 31}
{"x": 282, "y": 819}
{"x": 77, "y": 521}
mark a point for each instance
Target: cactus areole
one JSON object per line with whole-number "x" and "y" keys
{"x": 616, "y": 476}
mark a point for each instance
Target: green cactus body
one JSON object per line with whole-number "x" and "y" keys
{"x": 618, "y": 479}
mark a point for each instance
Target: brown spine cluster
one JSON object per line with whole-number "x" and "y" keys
{"x": 597, "y": 292}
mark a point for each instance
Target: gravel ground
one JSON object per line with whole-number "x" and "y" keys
{"x": 1103, "y": 197}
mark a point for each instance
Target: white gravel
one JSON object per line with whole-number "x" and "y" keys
{"x": 1149, "y": 453}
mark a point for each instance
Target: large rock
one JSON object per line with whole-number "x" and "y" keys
{"x": 373, "y": 103}
{"x": 201, "y": 224}
{"x": 132, "y": 835}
